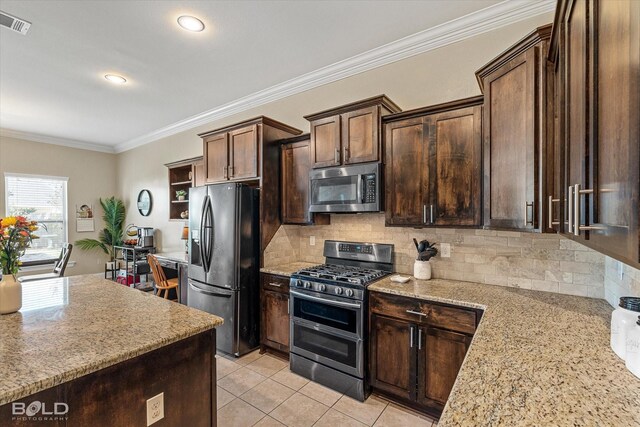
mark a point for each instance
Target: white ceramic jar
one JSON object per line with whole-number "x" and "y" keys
{"x": 633, "y": 349}
{"x": 422, "y": 270}
{"x": 623, "y": 319}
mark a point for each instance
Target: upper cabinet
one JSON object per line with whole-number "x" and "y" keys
{"x": 596, "y": 50}
{"x": 250, "y": 152}
{"x": 433, "y": 165}
{"x": 183, "y": 175}
{"x": 296, "y": 164}
{"x": 349, "y": 134}
{"x": 518, "y": 91}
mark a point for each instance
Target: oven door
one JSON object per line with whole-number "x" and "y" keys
{"x": 345, "y": 189}
{"x": 328, "y": 330}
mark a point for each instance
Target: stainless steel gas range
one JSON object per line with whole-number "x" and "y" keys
{"x": 328, "y": 305}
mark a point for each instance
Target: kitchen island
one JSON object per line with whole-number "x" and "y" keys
{"x": 537, "y": 358}
{"x": 103, "y": 349}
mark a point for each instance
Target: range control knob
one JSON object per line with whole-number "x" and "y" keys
{"x": 349, "y": 292}
{"x": 338, "y": 291}
{"x": 307, "y": 285}
{"x": 322, "y": 287}
{"x": 299, "y": 283}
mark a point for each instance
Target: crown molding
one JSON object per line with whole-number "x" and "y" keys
{"x": 482, "y": 21}
{"x": 71, "y": 143}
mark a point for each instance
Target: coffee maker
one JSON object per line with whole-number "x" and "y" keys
{"x": 145, "y": 237}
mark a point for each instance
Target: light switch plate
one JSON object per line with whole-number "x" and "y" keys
{"x": 312, "y": 240}
{"x": 620, "y": 270}
{"x": 445, "y": 250}
{"x": 155, "y": 409}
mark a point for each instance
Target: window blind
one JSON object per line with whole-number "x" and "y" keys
{"x": 43, "y": 199}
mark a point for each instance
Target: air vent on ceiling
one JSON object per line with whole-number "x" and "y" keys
{"x": 16, "y": 24}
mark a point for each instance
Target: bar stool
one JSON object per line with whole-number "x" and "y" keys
{"x": 162, "y": 283}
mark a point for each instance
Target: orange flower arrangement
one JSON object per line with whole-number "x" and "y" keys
{"x": 16, "y": 234}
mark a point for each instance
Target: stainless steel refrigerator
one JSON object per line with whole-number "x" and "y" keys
{"x": 224, "y": 257}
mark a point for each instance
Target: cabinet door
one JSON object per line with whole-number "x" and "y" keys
{"x": 199, "y": 178}
{"x": 216, "y": 158}
{"x": 295, "y": 183}
{"x": 275, "y": 309}
{"x": 392, "y": 356}
{"x": 616, "y": 144}
{"x": 406, "y": 172}
{"x": 243, "y": 153}
{"x": 510, "y": 161}
{"x": 455, "y": 162}
{"x": 440, "y": 356}
{"x": 325, "y": 142}
{"x": 576, "y": 105}
{"x": 361, "y": 135}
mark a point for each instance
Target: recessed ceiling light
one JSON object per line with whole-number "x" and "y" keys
{"x": 114, "y": 78}
{"x": 191, "y": 23}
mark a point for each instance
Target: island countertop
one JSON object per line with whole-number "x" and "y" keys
{"x": 74, "y": 326}
{"x": 537, "y": 358}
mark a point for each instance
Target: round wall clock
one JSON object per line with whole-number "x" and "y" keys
{"x": 145, "y": 202}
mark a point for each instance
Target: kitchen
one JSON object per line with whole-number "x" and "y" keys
{"x": 516, "y": 155}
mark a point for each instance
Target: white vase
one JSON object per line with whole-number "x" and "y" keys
{"x": 422, "y": 270}
{"x": 10, "y": 294}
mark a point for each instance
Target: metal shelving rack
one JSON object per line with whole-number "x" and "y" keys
{"x": 135, "y": 258}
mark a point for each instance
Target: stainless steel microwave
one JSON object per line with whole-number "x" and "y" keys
{"x": 356, "y": 188}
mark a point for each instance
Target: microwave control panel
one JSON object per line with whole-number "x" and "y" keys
{"x": 369, "y": 188}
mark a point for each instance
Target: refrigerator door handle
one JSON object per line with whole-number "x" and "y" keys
{"x": 205, "y": 250}
{"x": 215, "y": 294}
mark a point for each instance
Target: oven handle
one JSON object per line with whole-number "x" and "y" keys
{"x": 326, "y": 301}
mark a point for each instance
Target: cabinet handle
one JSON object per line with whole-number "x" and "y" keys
{"x": 225, "y": 169}
{"x": 431, "y": 213}
{"x": 277, "y": 285}
{"x": 551, "y": 221}
{"x": 424, "y": 214}
{"x": 337, "y": 156}
{"x": 419, "y": 339}
{"x": 526, "y": 213}
{"x": 416, "y": 313}
{"x": 577, "y": 228}
{"x": 570, "y": 207}
{"x": 410, "y": 336}
{"x": 230, "y": 172}
{"x": 346, "y": 154}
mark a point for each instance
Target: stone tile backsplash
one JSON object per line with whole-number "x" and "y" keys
{"x": 544, "y": 262}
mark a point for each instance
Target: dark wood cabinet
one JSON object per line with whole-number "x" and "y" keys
{"x": 439, "y": 363}
{"x": 275, "y": 321}
{"x": 416, "y": 349}
{"x": 183, "y": 175}
{"x": 516, "y": 131}
{"x": 249, "y": 152}
{"x": 296, "y": 164}
{"x": 596, "y": 50}
{"x": 350, "y": 133}
{"x": 433, "y": 165}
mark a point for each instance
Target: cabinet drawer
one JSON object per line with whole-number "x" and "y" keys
{"x": 275, "y": 283}
{"x": 423, "y": 312}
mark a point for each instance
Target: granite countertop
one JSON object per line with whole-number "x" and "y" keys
{"x": 179, "y": 256}
{"x": 537, "y": 358}
{"x": 286, "y": 269}
{"x": 74, "y": 326}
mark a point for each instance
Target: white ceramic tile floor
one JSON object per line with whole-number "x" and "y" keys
{"x": 260, "y": 390}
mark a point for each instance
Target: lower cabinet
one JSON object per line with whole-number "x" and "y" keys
{"x": 415, "y": 353}
{"x": 275, "y": 321}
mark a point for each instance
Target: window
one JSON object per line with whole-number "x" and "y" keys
{"x": 43, "y": 199}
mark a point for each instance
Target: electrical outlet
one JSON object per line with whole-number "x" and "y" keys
{"x": 155, "y": 409}
{"x": 312, "y": 240}
{"x": 445, "y": 250}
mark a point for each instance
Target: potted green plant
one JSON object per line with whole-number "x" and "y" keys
{"x": 111, "y": 236}
{"x": 181, "y": 194}
{"x": 421, "y": 266}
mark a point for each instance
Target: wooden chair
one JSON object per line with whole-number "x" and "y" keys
{"x": 162, "y": 283}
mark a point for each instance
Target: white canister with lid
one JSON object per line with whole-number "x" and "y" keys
{"x": 623, "y": 319}
{"x": 633, "y": 349}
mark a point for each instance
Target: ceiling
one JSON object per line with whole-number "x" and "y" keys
{"x": 52, "y": 80}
